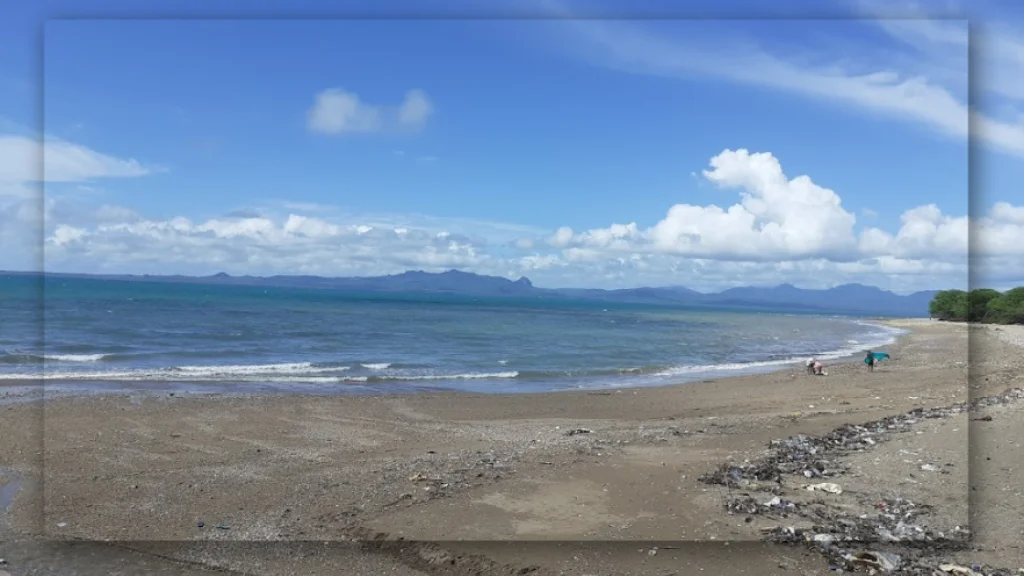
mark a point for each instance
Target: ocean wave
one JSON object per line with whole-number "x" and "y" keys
{"x": 214, "y": 373}
{"x": 593, "y": 372}
{"x": 242, "y": 369}
{"x": 23, "y": 358}
{"x": 299, "y": 372}
{"x": 108, "y": 367}
{"x": 432, "y": 377}
{"x": 888, "y": 337}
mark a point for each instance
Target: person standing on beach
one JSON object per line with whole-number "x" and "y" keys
{"x": 870, "y": 361}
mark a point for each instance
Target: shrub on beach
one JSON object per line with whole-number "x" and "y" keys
{"x": 1007, "y": 308}
{"x": 949, "y": 305}
{"x": 979, "y": 305}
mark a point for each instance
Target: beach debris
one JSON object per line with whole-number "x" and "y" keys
{"x": 223, "y": 527}
{"x": 748, "y": 505}
{"x": 201, "y": 524}
{"x": 835, "y": 530}
{"x": 825, "y": 539}
{"x": 576, "y": 431}
{"x": 817, "y": 457}
{"x": 61, "y": 524}
{"x": 882, "y": 561}
{"x": 830, "y": 487}
{"x": 955, "y": 569}
{"x": 983, "y": 419}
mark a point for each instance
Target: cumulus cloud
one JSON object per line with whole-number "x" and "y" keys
{"x": 776, "y": 229}
{"x": 23, "y": 161}
{"x": 304, "y": 244}
{"x": 338, "y": 111}
{"x": 415, "y": 110}
{"x": 294, "y": 244}
{"x": 776, "y": 218}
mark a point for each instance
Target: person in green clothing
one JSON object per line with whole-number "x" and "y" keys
{"x": 870, "y": 361}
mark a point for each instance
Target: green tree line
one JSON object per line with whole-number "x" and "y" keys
{"x": 981, "y": 305}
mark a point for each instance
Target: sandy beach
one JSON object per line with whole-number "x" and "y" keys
{"x": 561, "y": 483}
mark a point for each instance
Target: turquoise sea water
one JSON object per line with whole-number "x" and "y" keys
{"x": 98, "y": 334}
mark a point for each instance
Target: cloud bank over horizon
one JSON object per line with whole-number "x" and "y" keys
{"x": 776, "y": 228}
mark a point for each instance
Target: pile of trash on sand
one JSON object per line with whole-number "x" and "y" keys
{"x": 841, "y": 538}
{"x": 817, "y": 457}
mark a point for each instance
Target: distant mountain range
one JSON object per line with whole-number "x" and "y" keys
{"x": 847, "y": 298}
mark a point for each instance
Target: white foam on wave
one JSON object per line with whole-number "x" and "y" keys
{"x": 74, "y": 357}
{"x": 377, "y": 366}
{"x": 855, "y": 348}
{"x": 418, "y": 377}
{"x": 283, "y": 368}
{"x": 239, "y": 372}
{"x": 299, "y": 372}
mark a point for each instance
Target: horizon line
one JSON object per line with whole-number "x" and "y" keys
{"x": 144, "y": 276}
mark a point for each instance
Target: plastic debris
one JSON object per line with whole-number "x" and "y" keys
{"x": 223, "y": 527}
{"x": 576, "y": 431}
{"x": 829, "y": 487}
{"x": 832, "y": 531}
{"x": 955, "y": 569}
{"x": 815, "y": 457}
{"x": 875, "y": 560}
{"x": 824, "y": 538}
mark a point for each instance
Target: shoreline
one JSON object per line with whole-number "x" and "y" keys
{"x": 620, "y": 465}
{"x": 17, "y": 391}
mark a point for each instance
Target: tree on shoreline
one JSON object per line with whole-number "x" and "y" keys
{"x": 980, "y": 305}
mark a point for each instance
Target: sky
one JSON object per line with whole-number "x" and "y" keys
{"x": 578, "y": 144}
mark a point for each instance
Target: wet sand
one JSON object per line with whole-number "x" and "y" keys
{"x": 470, "y": 470}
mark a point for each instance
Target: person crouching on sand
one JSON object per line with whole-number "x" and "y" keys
{"x": 815, "y": 368}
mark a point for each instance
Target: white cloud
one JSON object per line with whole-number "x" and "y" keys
{"x": 776, "y": 218}
{"x": 22, "y": 160}
{"x": 927, "y": 86}
{"x": 779, "y": 229}
{"x": 925, "y": 233}
{"x": 338, "y": 111}
{"x": 941, "y": 47}
{"x": 22, "y": 207}
{"x": 295, "y": 244}
{"x": 416, "y": 109}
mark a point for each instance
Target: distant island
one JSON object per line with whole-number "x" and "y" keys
{"x": 847, "y": 299}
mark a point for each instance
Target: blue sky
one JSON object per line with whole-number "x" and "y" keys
{"x": 578, "y": 152}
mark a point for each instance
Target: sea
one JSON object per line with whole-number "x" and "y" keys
{"x": 92, "y": 335}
